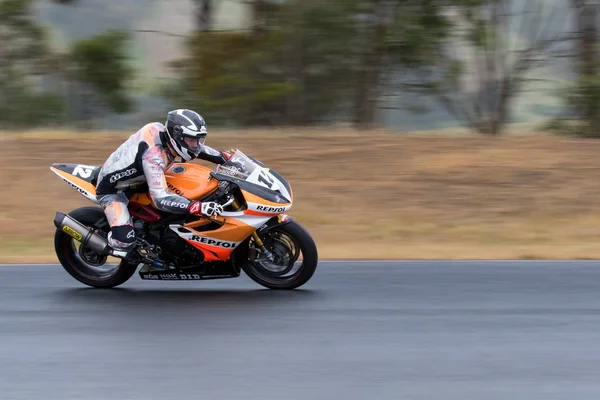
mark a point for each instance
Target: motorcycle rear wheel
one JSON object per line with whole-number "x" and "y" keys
{"x": 84, "y": 264}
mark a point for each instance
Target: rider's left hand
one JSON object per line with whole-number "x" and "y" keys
{"x": 207, "y": 209}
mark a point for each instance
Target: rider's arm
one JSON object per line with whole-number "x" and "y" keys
{"x": 212, "y": 155}
{"x": 154, "y": 166}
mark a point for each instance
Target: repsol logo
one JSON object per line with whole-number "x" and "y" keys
{"x": 122, "y": 175}
{"x": 80, "y": 190}
{"x": 270, "y": 209}
{"x": 213, "y": 242}
{"x": 174, "y": 189}
{"x": 175, "y": 204}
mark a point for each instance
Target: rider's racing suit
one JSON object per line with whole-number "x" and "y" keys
{"x": 141, "y": 159}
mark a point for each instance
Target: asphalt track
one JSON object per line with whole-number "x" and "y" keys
{"x": 358, "y": 330}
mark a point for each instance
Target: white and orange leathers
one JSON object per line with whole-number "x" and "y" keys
{"x": 141, "y": 159}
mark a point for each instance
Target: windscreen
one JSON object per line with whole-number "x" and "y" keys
{"x": 238, "y": 166}
{"x": 241, "y": 167}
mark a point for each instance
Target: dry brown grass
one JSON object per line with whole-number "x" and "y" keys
{"x": 373, "y": 195}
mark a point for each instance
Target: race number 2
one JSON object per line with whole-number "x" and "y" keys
{"x": 84, "y": 171}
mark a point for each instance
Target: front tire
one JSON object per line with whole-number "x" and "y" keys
{"x": 84, "y": 264}
{"x": 286, "y": 242}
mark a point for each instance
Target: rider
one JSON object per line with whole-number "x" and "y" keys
{"x": 143, "y": 158}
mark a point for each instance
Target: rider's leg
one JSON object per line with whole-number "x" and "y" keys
{"x": 122, "y": 235}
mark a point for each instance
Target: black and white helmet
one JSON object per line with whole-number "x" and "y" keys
{"x": 186, "y": 132}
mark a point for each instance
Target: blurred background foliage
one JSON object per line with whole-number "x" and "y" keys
{"x": 404, "y": 64}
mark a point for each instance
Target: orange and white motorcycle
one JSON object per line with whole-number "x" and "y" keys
{"x": 253, "y": 234}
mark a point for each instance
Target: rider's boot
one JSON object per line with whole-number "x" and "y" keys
{"x": 126, "y": 251}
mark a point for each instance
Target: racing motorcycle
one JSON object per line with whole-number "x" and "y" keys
{"x": 253, "y": 233}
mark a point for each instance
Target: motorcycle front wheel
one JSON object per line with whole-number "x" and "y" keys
{"x": 294, "y": 260}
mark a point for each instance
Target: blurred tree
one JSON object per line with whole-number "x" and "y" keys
{"x": 396, "y": 39}
{"x": 482, "y": 63}
{"x": 587, "y": 97}
{"x": 373, "y": 30}
{"x": 582, "y": 99}
{"x": 319, "y": 46}
{"x": 204, "y": 15}
{"x": 260, "y": 12}
{"x": 98, "y": 74}
{"x": 304, "y": 62}
{"x": 293, "y": 69}
{"x": 24, "y": 67}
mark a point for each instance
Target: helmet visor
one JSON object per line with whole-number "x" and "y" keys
{"x": 194, "y": 143}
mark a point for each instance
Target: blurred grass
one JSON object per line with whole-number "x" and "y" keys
{"x": 361, "y": 194}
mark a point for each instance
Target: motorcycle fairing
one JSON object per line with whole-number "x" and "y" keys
{"x": 218, "y": 244}
{"x": 80, "y": 177}
{"x": 194, "y": 184}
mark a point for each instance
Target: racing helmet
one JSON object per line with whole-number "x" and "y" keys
{"x": 186, "y": 132}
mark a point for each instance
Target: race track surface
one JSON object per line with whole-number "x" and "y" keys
{"x": 409, "y": 330}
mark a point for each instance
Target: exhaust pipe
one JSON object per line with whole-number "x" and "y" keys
{"x": 81, "y": 233}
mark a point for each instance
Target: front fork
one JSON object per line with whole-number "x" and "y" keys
{"x": 265, "y": 252}
{"x": 272, "y": 223}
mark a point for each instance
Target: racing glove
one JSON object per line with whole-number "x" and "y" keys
{"x": 207, "y": 209}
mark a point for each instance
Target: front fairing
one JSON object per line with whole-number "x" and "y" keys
{"x": 254, "y": 177}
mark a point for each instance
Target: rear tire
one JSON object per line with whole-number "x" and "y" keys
{"x": 82, "y": 264}
{"x": 296, "y": 239}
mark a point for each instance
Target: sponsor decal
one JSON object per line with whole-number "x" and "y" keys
{"x": 227, "y": 171}
{"x": 180, "y": 277}
{"x": 174, "y": 189}
{"x": 175, "y": 204}
{"x": 74, "y": 186}
{"x": 178, "y": 169}
{"x": 122, "y": 175}
{"x": 213, "y": 242}
{"x": 158, "y": 161}
{"x": 72, "y": 232}
{"x": 270, "y": 209}
{"x": 195, "y": 208}
{"x": 172, "y": 276}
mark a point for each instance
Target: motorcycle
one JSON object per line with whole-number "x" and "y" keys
{"x": 252, "y": 234}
